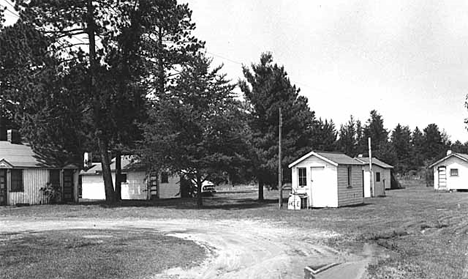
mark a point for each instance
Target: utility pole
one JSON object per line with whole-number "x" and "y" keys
{"x": 280, "y": 171}
{"x": 370, "y": 169}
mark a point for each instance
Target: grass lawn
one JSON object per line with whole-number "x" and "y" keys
{"x": 424, "y": 231}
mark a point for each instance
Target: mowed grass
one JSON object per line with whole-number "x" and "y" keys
{"x": 423, "y": 231}
{"x": 93, "y": 254}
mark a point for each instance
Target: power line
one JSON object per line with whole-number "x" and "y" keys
{"x": 225, "y": 58}
{"x": 12, "y": 13}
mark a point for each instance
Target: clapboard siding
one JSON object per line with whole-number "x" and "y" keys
{"x": 33, "y": 181}
{"x": 350, "y": 195}
{"x": 136, "y": 187}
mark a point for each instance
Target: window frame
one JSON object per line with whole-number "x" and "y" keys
{"x": 302, "y": 177}
{"x": 454, "y": 172}
{"x": 377, "y": 176}
{"x": 16, "y": 180}
{"x": 349, "y": 172}
{"x": 164, "y": 177}
{"x": 123, "y": 178}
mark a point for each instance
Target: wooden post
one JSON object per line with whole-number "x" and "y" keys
{"x": 370, "y": 169}
{"x": 280, "y": 170}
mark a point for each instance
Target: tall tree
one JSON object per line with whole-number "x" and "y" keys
{"x": 401, "y": 141}
{"x": 267, "y": 88}
{"x": 324, "y": 135}
{"x": 375, "y": 130}
{"x": 347, "y": 138}
{"x": 417, "y": 149}
{"x": 434, "y": 146}
{"x": 197, "y": 129}
{"x": 132, "y": 48}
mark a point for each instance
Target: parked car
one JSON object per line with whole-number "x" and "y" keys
{"x": 208, "y": 188}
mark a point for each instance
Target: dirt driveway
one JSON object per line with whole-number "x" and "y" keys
{"x": 235, "y": 248}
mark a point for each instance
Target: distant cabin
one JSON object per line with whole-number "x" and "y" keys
{"x": 451, "y": 172}
{"x": 328, "y": 179}
{"x": 22, "y": 176}
{"x": 382, "y": 177}
{"x": 136, "y": 183}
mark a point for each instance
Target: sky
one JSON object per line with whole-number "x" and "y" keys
{"x": 406, "y": 59}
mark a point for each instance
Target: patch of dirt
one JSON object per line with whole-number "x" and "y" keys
{"x": 235, "y": 248}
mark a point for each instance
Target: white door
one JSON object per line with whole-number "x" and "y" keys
{"x": 442, "y": 171}
{"x": 319, "y": 194}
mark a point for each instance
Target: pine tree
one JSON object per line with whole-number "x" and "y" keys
{"x": 267, "y": 88}
{"x": 196, "y": 130}
{"x": 401, "y": 141}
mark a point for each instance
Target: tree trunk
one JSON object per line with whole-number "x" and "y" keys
{"x": 260, "y": 189}
{"x": 106, "y": 171}
{"x": 199, "y": 193}
{"x": 118, "y": 176}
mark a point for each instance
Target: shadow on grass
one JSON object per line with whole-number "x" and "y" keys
{"x": 223, "y": 203}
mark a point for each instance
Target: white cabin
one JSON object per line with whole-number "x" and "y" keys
{"x": 451, "y": 172}
{"x": 328, "y": 179}
{"x": 382, "y": 177}
{"x": 136, "y": 183}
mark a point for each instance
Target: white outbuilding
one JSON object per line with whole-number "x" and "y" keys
{"x": 328, "y": 179}
{"x": 451, "y": 172}
{"x": 382, "y": 176}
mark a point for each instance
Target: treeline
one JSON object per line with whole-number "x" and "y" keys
{"x": 129, "y": 78}
{"x": 407, "y": 150}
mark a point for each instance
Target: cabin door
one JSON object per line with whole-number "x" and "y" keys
{"x": 318, "y": 187}
{"x": 3, "y": 187}
{"x": 68, "y": 186}
{"x": 442, "y": 177}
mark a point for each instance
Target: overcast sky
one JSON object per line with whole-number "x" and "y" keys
{"x": 406, "y": 59}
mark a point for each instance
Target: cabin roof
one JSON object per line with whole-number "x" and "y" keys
{"x": 126, "y": 164}
{"x": 333, "y": 158}
{"x": 461, "y": 156}
{"x": 14, "y": 155}
{"x": 375, "y": 161}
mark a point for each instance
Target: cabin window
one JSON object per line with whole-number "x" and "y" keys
{"x": 17, "y": 181}
{"x": 377, "y": 177}
{"x": 453, "y": 172}
{"x": 302, "y": 176}
{"x": 164, "y": 177}
{"x": 54, "y": 178}
{"x": 350, "y": 174}
{"x": 123, "y": 177}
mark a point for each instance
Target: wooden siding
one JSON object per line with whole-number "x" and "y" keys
{"x": 350, "y": 195}
{"x": 171, "y": 189}
{"x": 33, "y": 180}
{"x": 459, "y": 182}
{"x": 323, "y": 195}
{"x": 135, "y": 188}
{"x": 379, "y": 187}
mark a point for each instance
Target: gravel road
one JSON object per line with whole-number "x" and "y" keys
{"x": 235, "y": 248}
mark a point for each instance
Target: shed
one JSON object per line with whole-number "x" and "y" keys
{"x": 382, "y": 176}
{"x": 22, "y": 176}
{"x": 328, "y": 179}
{"x": 136, "y": 183}
{"x": 451, "y": 172}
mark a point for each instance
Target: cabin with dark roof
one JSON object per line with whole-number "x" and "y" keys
{"x": 22, "y": 176}
{"x": 328, "y": 179}
{"x": 451, "y": 172}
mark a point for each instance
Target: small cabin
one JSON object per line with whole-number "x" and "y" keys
{"x": 136, "y": 183}
{"x": 23, "y": 178}
{"x": 451, "y": 172}
{"x": 328, "y": 179}
{"x": 382, "y": 175}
